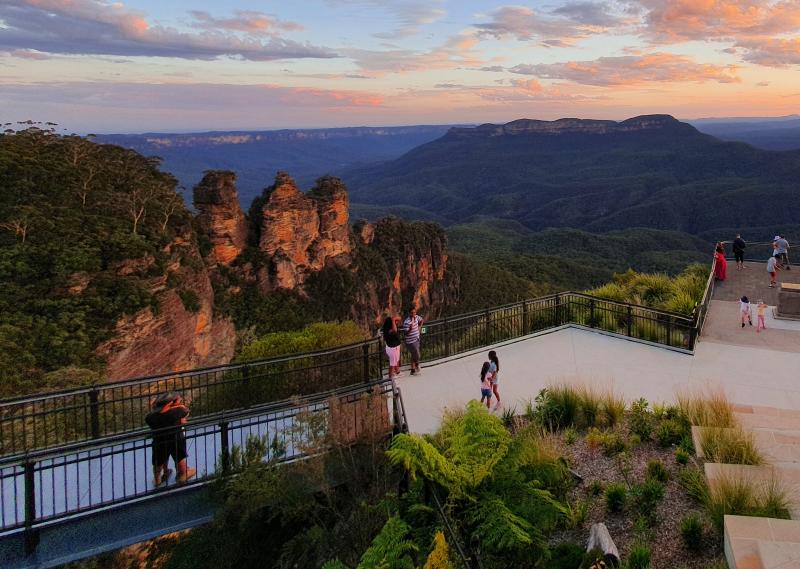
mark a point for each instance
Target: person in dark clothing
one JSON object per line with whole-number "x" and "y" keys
{"x": 738, "y": 251}
{"x": 166, "y": 420}
{"x": 391, "y": 338}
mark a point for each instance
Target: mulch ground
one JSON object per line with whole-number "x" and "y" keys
{"x": 663, "y": 534}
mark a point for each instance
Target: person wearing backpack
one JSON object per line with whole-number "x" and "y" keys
{"x": 166, "y": 421}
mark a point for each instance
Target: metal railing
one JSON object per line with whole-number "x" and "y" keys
{"x": 58, "y": 418}
{"x": 46, "y": 486}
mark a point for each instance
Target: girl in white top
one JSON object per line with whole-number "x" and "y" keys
{"x": 744, "y": 310}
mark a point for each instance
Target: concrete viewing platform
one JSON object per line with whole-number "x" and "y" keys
{"x": 752, "y": 368}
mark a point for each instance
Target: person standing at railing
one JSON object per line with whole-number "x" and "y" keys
{"x": 391, "y": 338}
{"x": 412, "y": 328}
{"x": 738, "y": 251}
{"x": 782, "y": 251}
{"x": 721, "y": 267}
{"x": 166, "y": 420}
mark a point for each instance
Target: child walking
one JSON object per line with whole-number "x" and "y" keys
{"x": 744, "y": 309}
{"x": 762, "y": 310}
{"x": 486, "y": 384}
{"x": 494, "y": 368}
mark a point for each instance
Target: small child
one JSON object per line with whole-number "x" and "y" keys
{"x": 486, "y": 384}
{"x": 772, "y": 268}
{"x": 762, "y": 310}
{"x": 744, "y": 309}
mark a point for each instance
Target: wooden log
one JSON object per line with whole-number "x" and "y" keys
{"x": 600, "y": 539}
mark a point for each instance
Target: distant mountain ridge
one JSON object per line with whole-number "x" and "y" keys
{"x": 773, "y": 133}
{"x": 649, "y": 171}
{"x": 257, "y": 155}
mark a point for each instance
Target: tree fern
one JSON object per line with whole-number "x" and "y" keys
{"x": 439, "y": 557}
{"x": 498, "y": 527}
{"x": 419, "y": 457}
{"x": 476, "y": 442}
{"x": 335, "y": 564}
{"x": 390, "y": 549}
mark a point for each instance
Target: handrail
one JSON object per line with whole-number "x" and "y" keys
{"x": 51, "y": 485}
{"x": 98, "y": 411}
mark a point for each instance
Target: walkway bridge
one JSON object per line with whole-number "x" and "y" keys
{"x": 75, "y": 475}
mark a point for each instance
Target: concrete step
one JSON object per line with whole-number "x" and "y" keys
{"x": 761, "y": 543}
{"x": 779, "y": 419}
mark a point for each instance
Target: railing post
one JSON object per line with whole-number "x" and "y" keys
{"x": 225, "y": 446}
{"x": 31, "y": 535}
{"x": 488, "y": 330}
{"x": 381, "y": 353}
{"x": 693, "y": 335}
{"x": 525, "y": 330}
{"x": 365, "y": 350}
{"x": 669, "y": 330}
{"x": 591, "y": 313}
{"x": 446, "y": 338}
{"x": 94, "y": 412}
{"x": 246, "y": 396}
{"x": 559, "y": 316}
{"x": 629, "y": 323}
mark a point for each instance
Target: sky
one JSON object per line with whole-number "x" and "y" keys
{"x": 176, "y": 66}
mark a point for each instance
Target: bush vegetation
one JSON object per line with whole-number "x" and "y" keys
{"x": 71, "y": 212}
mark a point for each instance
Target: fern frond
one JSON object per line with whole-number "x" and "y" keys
{"x": 419, "y": 457}
{"x": 498, "y": 527}
{"x": 475, "y": 443}
{"x": 390, "y": 548}
{"x": 334, "y": 564}
{"x": 439, "y": 557}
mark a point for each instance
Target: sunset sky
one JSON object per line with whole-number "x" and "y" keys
{"x": 167, "y": 65}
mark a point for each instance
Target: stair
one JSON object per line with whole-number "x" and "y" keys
{"x": 762, "y": 543}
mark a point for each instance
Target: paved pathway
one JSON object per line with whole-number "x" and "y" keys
{"x": 759, "y": 369}
{"x": 752, "y": 281}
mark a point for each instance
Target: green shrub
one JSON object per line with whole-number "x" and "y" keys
{"x": 693, "y": 480}
{"x": 669, "y": 432}
{"x": 647, "y": 496}
{"x": 641, "y": 419}
{"x": 570, "y": 436}
{"x": 657, "y": 471}
{"x": 616, "y": 496}
{"x": 692, "y": 532}
{"x": 612, "y": 443}
{"x": 565, "y": 556}
{"x": 577, "y": 511}
{"x": 317, "y": 336}
{"x": 596, "y": 488}
{"x": 558, "y": 406}
{"x": 639, "y": 556}
{"x": 681, "y": 456}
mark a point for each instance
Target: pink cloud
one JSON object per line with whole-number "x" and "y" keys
{"x": 773, "y": 52}
{"x": 632, "y": 70}
{"x": 94, "y": 27}
{"x": 247, "y": 21}
{"x": 681, "y": 20}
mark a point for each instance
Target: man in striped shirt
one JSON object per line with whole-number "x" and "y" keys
{"x": 411, "y": 327}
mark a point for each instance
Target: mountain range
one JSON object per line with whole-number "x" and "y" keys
{"x": 650, "y": 171}
{"x": 257, "y": 155}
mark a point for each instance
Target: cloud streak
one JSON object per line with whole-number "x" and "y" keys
{"x": 93, "y": 27}
{"x": 632, "y": 70}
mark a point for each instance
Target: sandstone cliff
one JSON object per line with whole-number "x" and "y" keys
{"x": 303, "y": 233}
{"x": 303, "y": 251}
{"x": 182, "y": 332}
{"x": 220, "y": 215}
